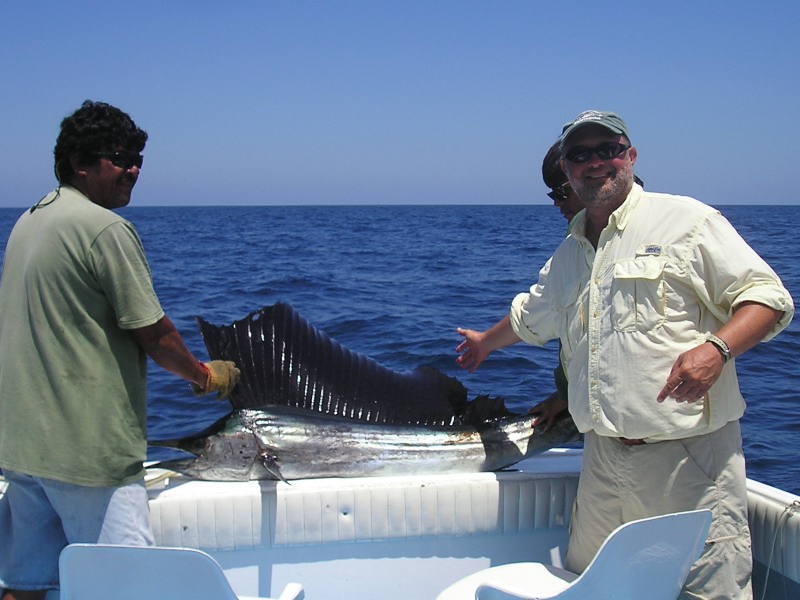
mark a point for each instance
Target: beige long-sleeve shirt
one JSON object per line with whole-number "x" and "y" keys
{"x": 668, "y": 271}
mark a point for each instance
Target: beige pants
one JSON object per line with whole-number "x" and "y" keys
{"x": 622, "y": 483}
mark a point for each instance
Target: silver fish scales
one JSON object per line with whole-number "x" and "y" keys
{"x": 308, "y": 407}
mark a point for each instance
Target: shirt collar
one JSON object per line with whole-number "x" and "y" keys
{"x": 620, "y": 217}
{"x": 578, "y": 223}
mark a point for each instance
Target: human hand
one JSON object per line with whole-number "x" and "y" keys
{"x": 222, "y": 378}
{"x": 548, "y": 410}
{"x": 473, "y": 351}
{"x": 693, "y": 374}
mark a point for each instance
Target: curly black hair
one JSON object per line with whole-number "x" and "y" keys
{"x": 94, "y": 127}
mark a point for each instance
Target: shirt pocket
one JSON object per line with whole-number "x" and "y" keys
{"x": 638, "y": 295}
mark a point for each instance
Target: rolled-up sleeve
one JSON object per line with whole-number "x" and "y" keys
{"x": 532, "y": 317}
{"x": 727, "y": 272}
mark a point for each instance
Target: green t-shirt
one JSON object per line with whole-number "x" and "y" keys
{"x": 73, "y": 399}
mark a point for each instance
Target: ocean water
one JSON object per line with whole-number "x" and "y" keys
{"x": 394, "y": 282}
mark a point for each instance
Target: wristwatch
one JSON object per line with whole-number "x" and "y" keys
{"x": 721, "y": 346}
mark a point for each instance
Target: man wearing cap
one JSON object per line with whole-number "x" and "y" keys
{"x": 652, "y": 296}
{"x": 569, "y": 204}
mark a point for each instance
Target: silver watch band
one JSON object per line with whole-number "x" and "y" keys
{"x": 721, "y": 346}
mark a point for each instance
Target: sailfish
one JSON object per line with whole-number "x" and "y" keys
{"x": 308, "y": 407}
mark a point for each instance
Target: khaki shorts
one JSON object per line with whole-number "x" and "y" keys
{"x": 620, "y": 483}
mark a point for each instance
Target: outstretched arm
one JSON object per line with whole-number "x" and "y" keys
{"x": 162, "y": 342}
{"x": 478, "y": 345}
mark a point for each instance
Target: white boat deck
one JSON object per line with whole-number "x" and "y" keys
{"x": 387, "y": 537}
{"x": 410, "y": 537}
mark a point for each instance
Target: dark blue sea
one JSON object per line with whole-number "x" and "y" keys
{"x": 394, "y": 282}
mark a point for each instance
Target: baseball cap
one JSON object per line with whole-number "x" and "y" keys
{"x": 609, "y": 120}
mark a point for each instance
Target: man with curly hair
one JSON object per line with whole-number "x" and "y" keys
{"x": 78, "y": 316}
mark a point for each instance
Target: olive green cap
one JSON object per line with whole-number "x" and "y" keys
{"x": 611, "y": 121}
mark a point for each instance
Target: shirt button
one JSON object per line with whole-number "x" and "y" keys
{"x": 594, "y": 382}
{"x": 595, "y": 418}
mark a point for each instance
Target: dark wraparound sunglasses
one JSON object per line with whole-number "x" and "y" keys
{"x": 123, "y": 160}
{"x": 604, "y": 151}
{"x": 561, "y": 193}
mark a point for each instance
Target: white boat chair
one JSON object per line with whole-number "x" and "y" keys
{"x": 649, "y": 558}
{"x": 103, "y": 571}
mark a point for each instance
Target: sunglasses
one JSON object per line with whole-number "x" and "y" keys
{"x": 123, "y": 160}
{"x": 604, "y": 151}
{"x": 559, "y": 194}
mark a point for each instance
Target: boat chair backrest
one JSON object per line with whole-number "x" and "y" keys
{"x": 103, "y": 571}
{"x": 649, "y": 558}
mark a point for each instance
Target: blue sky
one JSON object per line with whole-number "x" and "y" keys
{"x": 388, "y": 102}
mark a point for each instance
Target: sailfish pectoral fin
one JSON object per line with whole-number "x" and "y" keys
{"x": 270, "y": 463}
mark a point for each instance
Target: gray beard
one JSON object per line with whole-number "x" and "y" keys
{"x": 612, "y": 192}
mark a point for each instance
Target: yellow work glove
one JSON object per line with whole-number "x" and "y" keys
{"x": 222, "y": 378}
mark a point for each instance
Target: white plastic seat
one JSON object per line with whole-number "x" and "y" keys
{"x": 103, "y": 571}
{"x": 649, "y": 558}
